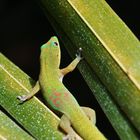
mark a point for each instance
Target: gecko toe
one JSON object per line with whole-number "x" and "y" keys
{"x": 22, "y": 98}
{"x": 71, "y": 137}
{"x": 79, "y": 54}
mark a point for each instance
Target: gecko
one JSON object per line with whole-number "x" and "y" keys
{"x": 74, "y": 119}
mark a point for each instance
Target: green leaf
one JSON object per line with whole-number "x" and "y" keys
{"x": 10, "y": 130}
{"x": 33, "y": 115}
{"x": 111, "y": 53}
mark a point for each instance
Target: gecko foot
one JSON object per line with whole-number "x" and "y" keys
{"x": 71, "y": 136}
{"x": 79, "y": 54}
{"x": 68, "y": 137}
{"x": 22, "y": 98}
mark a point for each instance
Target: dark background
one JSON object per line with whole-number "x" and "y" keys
{"x": 24, "y": 28}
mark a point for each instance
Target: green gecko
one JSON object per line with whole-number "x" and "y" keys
{"x": 82, "y": 119}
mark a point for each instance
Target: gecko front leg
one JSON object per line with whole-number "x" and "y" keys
{"x": 73, "y": 64}
{"x": 34, "y": 90}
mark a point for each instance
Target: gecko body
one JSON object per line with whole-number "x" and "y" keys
{"x": 58, "y": 96}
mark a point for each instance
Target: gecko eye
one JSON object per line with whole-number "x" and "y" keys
{"x": 55, "y": 43}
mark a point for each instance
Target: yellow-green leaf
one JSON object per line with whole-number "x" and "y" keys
{"x": 9, "y": 130}
{"x": 33, "y": 115}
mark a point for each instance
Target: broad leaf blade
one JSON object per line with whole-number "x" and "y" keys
{"x": 109, "y": 48}
{"x": 9, "y": 130}
{"x": 33, "y": 115}
{"x": 118, "y": 119}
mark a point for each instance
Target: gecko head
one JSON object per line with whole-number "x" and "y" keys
{"x": 51, "y": 50}
{"x": 52, "y": 43}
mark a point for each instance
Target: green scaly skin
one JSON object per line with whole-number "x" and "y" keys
{"x": 57, "y": 95}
